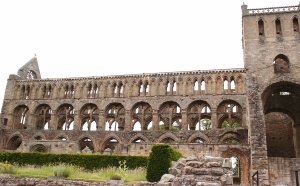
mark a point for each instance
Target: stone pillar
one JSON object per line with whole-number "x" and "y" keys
{"x": 257, "y": 132}
{"x": 128, "y": 122}
{"x": 184, "y": 120}
{"x": 214, "y": 118}
{"x": 30, "y": 120}
{"x": 54, "y": 121}
{"x": 77, "y": 121}
{"x": 155, "y": 120}
{"x": 101, "y": 121}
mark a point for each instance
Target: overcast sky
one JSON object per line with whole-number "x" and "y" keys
{"x": 73, "y": 38}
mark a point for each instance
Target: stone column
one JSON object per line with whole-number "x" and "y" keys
{"x": 257, "y": 132}
{"x": 101, "y": 121}
{"x": 54, "y": 121}
{"x": 128, "y": 122}
{"x": 155, "y": 120}
{"x": 77, "y": 121}
{"x": 184, "y": 120}
{"x": 214, "y": 118}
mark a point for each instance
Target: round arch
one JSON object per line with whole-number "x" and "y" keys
{"x": 280, "y": 105}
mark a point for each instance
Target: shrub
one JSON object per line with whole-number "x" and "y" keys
{"x": 160, "y": 160}
{"x": 86, "y": 161}
{"x": 6, "y": 168}
{"x": 62, "y": 171}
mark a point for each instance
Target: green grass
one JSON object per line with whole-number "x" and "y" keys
{"x": 76, "y": 173}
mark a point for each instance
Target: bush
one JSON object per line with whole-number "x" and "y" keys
{"x": 62, "y": 171}
{"x": 160, "y": 160}
{"x": 86, "y": 161}
{"x": 6, "y": 168}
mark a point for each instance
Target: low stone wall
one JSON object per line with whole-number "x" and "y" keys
{"x": 7, "y": 180}
{"x": 202, "y": 171}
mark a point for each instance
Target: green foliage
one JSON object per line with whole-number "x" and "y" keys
{"x": 235, "y": 125}
{"x": 225, "y": 125}
{"x": 6, "y": 168}
{"x": 206, "y": 124}
{"x": 160, "y": 161}
{"x": 86, "y": 161}
{"x": 62, "y": 171}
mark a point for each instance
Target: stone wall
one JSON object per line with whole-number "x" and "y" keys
{"x": 282, "y": 171}
{"x": 7, "y": 180}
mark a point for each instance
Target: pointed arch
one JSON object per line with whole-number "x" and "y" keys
{"x": 39, "y": 136}
{"x": 167, "y": 135}
{"x": 86, "y": 141}
{"x": 192, "y": 138}
{"x": 278, "y": 26}
{"x": 14, "y": 141}
{"x": 295, "y": 24}
{"x": 61, "y": 136}
{"x": 139, "y": 136}
{"x": 261, "y": 27}
{"x": 20, "y": 117}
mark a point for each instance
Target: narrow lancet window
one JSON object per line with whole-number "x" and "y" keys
{"x": 295, "y": 24}
{"x": 278, "y": 26}
{"x": 261, "y": 29}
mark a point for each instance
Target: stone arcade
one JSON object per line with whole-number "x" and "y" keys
{"x": 251, "y": 114}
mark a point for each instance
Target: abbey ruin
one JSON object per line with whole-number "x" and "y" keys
{"x": 252, "y": 114}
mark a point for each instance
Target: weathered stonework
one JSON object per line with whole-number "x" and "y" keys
{"x": 251, "y": 114}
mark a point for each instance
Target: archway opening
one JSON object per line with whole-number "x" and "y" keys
{"x": 86, "y": 143}
{"x": 14, "y": 143}
{"x": 282, "y": 120}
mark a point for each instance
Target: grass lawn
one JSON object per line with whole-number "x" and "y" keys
{"x": 75, "y": 173}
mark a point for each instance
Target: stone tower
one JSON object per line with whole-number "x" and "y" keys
{"x": 271, "y": 43}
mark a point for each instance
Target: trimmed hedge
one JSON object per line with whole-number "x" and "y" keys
{"x": 160, "y": 160}
{"x": 86, "y": 161}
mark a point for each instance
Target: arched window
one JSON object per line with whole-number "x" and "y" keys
{"x": 31, "y": 75}
{"x": 225, "y": 83}
{"x": 141, "y": 114}
{"x": 281, "y": 64}
{"x": 202, "y": 85}
{"x": 196, "y": 86}
{"x": 147, "y": 88}
{"x": 232, "y": 85}
{"x": 168, "y": 87}
{"x": 89, "y": 117}
{"x": 115, "y": 117}
{"x": 295, "y": 24}
{"x": 174, "y": 87}
{"x": 278, "y": 26}
{"x": 65, "y": 114}
{"x": 137, "y": 126}
{"x": 230, "y": 114}
{"x": 261, "y": 29}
